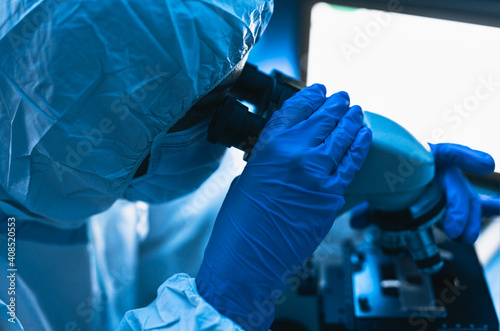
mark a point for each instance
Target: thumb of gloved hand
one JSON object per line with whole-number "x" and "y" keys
{"x": 283, "y": 204}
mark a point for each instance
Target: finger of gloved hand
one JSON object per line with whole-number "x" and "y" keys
{"x": 490, "y": 206}
{"x": 319, "y": 125}
{"x": 334, "y": 146}
{"x": 463, "y": 157}
{"x": 298, "y": 108}
{"x": 360, "y": 216}
{"x": 457, "y": 201}
{"x": 342, "y": 136}
{"x": 471, "y": 231}
{"x": 351, "y": 162}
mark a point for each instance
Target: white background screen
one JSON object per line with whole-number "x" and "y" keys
{"x": 439, "y": 79}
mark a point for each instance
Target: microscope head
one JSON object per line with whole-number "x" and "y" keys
{"x": 396, "y": 171}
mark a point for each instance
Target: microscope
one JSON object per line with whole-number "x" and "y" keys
{"x": 401, "y": 273}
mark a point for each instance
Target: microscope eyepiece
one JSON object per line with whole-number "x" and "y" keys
{"x": 233, "y": 125}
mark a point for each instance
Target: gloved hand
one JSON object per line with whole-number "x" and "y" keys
{"x": 283, "y": 204}
{"x": 464, "y": 207}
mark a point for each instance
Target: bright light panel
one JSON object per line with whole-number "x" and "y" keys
{"x": 439, "y": 79}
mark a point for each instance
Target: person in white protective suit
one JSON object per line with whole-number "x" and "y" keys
{"x": 103, "y": 169}
{"x": 88, "y": 89}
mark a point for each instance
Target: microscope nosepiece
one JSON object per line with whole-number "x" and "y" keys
{"x": 411, "y": 229}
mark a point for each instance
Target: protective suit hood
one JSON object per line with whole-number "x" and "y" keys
{"x": 86, "y": 86}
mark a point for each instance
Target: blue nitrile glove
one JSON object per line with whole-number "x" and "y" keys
{"x": 283, "y": 204}
{"x": 464, "y": 207}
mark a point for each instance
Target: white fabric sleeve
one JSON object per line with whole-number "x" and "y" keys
{"x": 178, "y": 306}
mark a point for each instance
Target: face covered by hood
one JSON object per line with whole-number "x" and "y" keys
{"x": 87, "y": 86}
